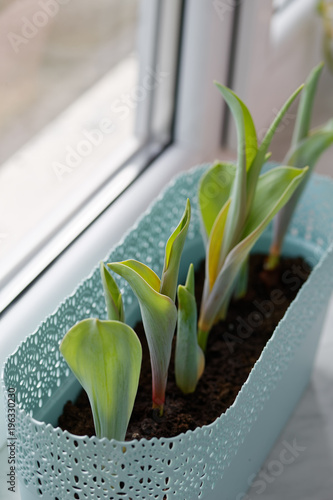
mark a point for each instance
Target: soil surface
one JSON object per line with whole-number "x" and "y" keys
{"x": 233, "y": 348}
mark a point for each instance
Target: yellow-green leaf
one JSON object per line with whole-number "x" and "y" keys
{"x": 247, "y": 136}
{"x": 143, "y": 271}
{"x": 105, "y": 357}
{"x": 159, "y": 316}
{"x": 274, "y": 190}
{"x": 261, "y": 156}
{"x": 113, "y": 299}
{"x": 173, "y": 253}
{"x": 214, "y": 191}
{"x": 307, "y": 152}
{"x": 215, "y": 244}
{"x": 303, "y": 118}
{"x": 246, "y": 152}
{"x": 189, "y": 358}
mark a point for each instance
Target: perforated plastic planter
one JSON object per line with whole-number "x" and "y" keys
{"x": 213, "y": 462}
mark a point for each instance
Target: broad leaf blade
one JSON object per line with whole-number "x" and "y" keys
{"x": 113, "y": 298}
{"x": 105, "y": 356}
{"x": 246, "y": 152}
{"x": 247, "y": 136}
{"x": 214, "y": 191}
{"x": 308, "y": 151}
{"x": 143, "y": 271}
{"x": 173, "y": 252}
{"x": 215, "y": 244}
{"x": 159, "y": 316}
{"x": 274, "y": 190}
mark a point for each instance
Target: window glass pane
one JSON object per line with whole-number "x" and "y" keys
{"x": 281, "y": 4}
{"x": 66, "y": 70}
{"x": 51, "y": 52}
{"x": 87, "y": 102}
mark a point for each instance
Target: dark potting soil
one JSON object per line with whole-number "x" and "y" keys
{"x": 233, "y": 348}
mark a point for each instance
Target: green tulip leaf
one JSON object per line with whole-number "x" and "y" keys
{"x": 308, "y": 150}
{"x": 246, "y": 152}
{"x": 261, "y": 156}
{"x": 105, "y": 357}
{"x": 189, "y": 358}
{"x": 113, "y": 298}
{"x": 246, "y": 132}
{"x": 173, "y": 252}
{"x": 215, "y": 244}
{"x": 242, "y": 281}
{"x": 305, "y": 150}
{"x": 144, "y": 272}
{"x": 214, "y": 191}
{"x": 159, "y": 317}
{"x": 304, "y": 112}
{"x": 274, "y": 189}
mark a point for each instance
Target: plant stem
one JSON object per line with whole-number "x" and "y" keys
{"x": 273, "y": 258}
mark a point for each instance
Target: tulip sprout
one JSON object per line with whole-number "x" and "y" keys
{"x": 236, "y": 206}
{"x": 306, "y": 148}
{"x": 190, "y": 360}
{"x": 113, "y": 298}
{"x": 156, "y": 299}
{"x": 105, "y": 357}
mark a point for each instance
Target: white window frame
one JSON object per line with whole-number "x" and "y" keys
{"x": 271, "y": 43}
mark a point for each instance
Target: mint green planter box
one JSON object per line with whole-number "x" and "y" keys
{"x": 213, "y": 462}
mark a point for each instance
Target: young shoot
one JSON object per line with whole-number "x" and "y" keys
{"x": 105, "y": 357}
{"x": 173, "y": 253}
{"x": 190, "y": 360}
{"x": 113, "y": 298}
{"x": 156, "y": 299}
{"x": 236, "y": 205}
{"x": 306, "y": 148}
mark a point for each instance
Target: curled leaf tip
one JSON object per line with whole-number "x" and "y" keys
{"x": 173, "y": 252}
{"x": 189, "y": 360}
{"x": 113, "y": 298}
